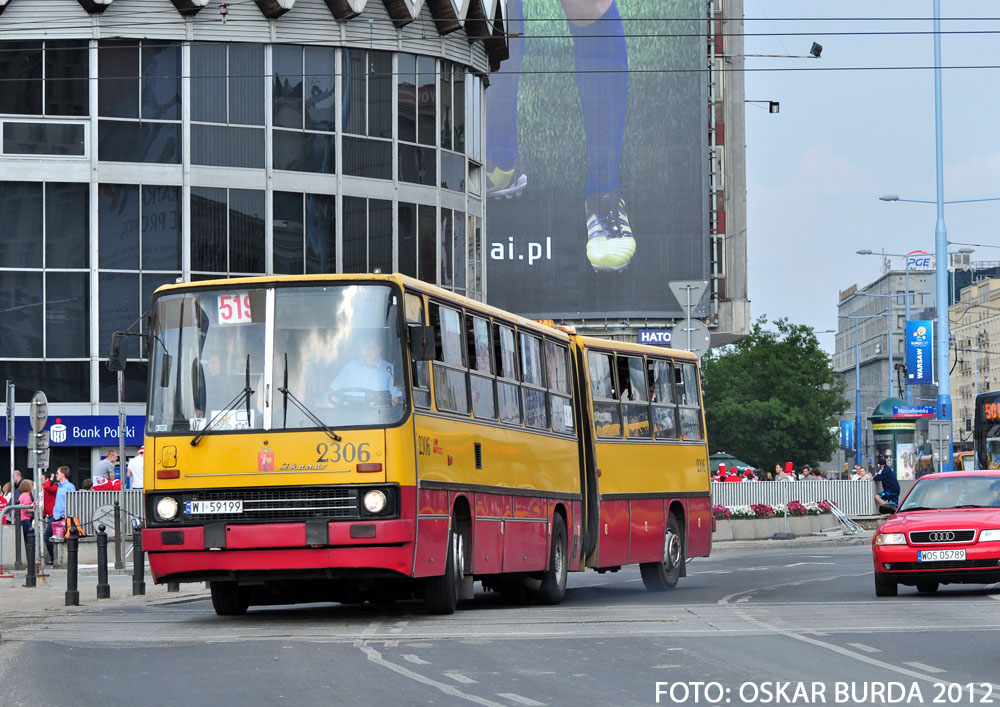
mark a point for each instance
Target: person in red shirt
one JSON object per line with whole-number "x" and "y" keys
{"x": 49, "y": 488}
{"x": 734, "y": 475}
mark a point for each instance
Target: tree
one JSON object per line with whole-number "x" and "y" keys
{"x": 772, "y": 397}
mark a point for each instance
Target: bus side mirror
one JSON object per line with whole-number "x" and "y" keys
{"x": 116, "y": 361}
{"x": 422, "y": 342}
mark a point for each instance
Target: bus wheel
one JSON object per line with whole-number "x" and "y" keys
{"x": 554, "y": 580}
{"x": 663, "y": 575}
{"x": 228, "y": 599}
{"x": 441, "y": 592}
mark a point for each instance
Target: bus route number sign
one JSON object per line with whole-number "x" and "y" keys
{"x": 991, "y": 411}
{"x": 234, "y": 308}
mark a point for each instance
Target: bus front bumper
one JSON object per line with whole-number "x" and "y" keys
{"x": 219, "y": 551}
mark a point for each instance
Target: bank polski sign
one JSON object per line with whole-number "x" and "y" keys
{"x": 83, "y": 430}
{"x": 919, "y": 351}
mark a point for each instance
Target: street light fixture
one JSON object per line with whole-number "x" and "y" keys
{"x": 893, "y": 197}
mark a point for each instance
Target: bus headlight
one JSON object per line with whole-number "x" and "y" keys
{"x": 375, "y": 501}
{"x": 167, "y": 507}
{"x": 890, "y": 539}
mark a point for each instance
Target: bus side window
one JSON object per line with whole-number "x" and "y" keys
{"x": 689, "y": 410}
{"x": 531, "y": 382}
{"x": 419, "y": 370}
{"x": 661, "y": 378}
{"x": 449, "y": 372}
{"x": 607, "y": 414}
{"x": 481, "y": 367}
{"x": 635, "y": 396}
{"x": 557, "y": 379}
{"x": 507, "y": 388}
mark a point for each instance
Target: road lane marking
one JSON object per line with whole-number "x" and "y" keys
{"x": 376, "y": 657}
{"x": 520, "y": 700}
{"x": 464, "y": 679}
{"x": 924, "y": 667}
{"x": 725, "y": 600}
{"x": 865, "y": 647}
{"x": 415, "y": 659}
{"x": 799, "y": 564}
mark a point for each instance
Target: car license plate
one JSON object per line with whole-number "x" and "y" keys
{"x": 939, "y": 555}
{"x": 206, "y": 507}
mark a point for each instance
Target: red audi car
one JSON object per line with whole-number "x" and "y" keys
{"x": 946, "y": 531}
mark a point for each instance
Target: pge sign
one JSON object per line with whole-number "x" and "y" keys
{"x": 656, "y": 337}
{"x": 919, "y": 260}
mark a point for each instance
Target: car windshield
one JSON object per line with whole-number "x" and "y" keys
{"x": 946, "y": 492}
{"x": 331, "y": 357}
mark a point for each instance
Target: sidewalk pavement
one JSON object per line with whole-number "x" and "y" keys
{"x": 50, "y": 593}
{"x": 796, "y": 543}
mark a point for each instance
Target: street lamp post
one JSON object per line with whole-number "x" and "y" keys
{"x": 857, "y": 383}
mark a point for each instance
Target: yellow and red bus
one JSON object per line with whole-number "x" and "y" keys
{"x": 369, "y": 437}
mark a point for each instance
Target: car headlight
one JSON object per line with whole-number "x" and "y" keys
{"x": 890, "y": 539}
{"x": 987, "y": 535}
{"x": 375, "y": 501}
{"x": 167, "y": 507}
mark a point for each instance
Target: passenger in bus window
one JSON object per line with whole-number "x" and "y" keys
{"x": 369, "y": 373}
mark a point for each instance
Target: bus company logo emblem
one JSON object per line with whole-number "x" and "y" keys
{"x": 437, "y": 448}
{"x": 265, "y": 460}
{"x": 57, "y": 433}
{"x": 943, "y": 536}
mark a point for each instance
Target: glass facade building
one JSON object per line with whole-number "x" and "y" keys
{"x": 143, "y": 142}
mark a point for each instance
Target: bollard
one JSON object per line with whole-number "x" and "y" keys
{"x": 72, "y": 549}
{"x": 29, "y": 546}
{"x": 138, "y": 563}
{"x": 103, "y": 590}
{"x": 18, "y": 528}
{"x": 119, "y": 563}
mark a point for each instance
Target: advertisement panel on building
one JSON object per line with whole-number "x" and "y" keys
{"x": 596, "y": 163}
{"x": 919, "y": 351}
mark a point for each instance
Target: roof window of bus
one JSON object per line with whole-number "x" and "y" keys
{"x": 531, "y": 372}
{"x": 607, "y": 414}
{"x": 506, "y": 360}
{"x": 480, "y": 362}
{"x": 450, "y": 390}
{"x": 560, "y": 393}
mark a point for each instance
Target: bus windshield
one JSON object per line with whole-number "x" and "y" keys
{"x": 332, "y": 356}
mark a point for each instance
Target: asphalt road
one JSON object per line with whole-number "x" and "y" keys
{"x": 753, "y": 626}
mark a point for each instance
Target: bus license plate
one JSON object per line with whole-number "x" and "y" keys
{"x": 207, "y": 507}
{"x": 939, "y": 555}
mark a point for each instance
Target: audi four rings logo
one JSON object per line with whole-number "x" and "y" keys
{"x": 942, "y": 536}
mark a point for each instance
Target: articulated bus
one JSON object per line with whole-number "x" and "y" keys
{"x": 371, "y": 437}
{"x": 986, "y": 430}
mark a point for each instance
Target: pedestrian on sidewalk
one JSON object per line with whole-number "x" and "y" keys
{"x": 27, "y": 514}
{"x": 57, "y": 524}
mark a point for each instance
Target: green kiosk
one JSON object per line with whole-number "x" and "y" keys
{"x": 895, "y": 437}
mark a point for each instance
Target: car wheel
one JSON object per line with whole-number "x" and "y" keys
{"x": 884, "y": 588}
{"x": 927, "y": 587}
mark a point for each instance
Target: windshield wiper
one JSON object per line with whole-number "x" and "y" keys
{"x": 287, "y": 395}
{"x": 244, "y": 394}
{"x": 968, "y": 505}
{"x": 918, "y": 508}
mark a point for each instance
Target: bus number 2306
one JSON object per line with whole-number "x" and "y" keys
{"x": 346, "y": 452}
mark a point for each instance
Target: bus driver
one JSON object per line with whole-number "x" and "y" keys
{"x": 369, "y": 373}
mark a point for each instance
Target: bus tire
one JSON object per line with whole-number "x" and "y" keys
{"x": 553, "y": 588}
{"x": 228, "y": 599}
{"x": 441, "y": 592}
{"x": 663, "y": 575}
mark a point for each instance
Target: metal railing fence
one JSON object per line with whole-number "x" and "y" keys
{"x": 88, "y": 505}
{"x": 855, "y": 498}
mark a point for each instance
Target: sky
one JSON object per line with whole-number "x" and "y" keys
{"x": 844, "y": 137}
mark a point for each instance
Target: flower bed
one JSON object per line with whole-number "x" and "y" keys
{"x": 762, "y": 510}
{"x": 766, "y": 521}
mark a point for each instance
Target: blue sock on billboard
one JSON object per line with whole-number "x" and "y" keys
{"x": 602, "y": 80}
{"x": 501, "y": 97}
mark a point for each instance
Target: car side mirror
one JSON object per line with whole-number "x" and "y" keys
{"x": 886, "y": 509}
{"x": 116, "y": 361}
{"x": 422, "y": 342}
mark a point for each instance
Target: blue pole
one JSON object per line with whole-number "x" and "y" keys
{"x": 907, "y": 393}
{"x": 857, "y": 396}
{"x": 941, "y": 252}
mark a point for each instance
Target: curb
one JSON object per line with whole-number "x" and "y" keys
{"x": 794, "y": 543}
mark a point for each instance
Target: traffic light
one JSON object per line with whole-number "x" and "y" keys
{"x": 38, "y": 449}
